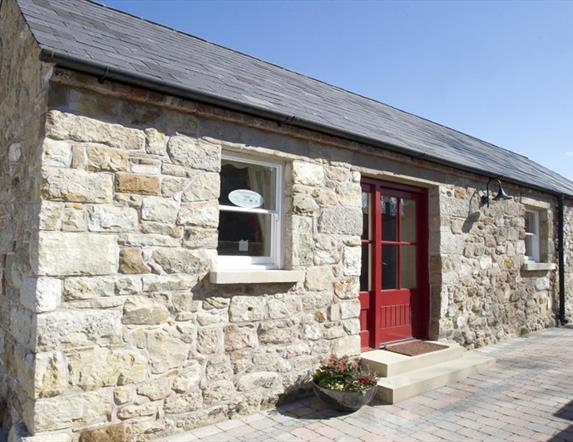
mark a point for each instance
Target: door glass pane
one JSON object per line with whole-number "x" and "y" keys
{"x": 366, "y": 218}
{"x": 408, "y": 215}
{"x": 408, "y": 267}
{"x": 365, "y": 279}
{"x": 247, "y": 185}
{"x": 244, "y": 234}
{"x": 389, "y": 224}
{"x": 389, "y": 267}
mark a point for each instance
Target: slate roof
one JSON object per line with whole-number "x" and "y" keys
{"x": 95, "y": 35}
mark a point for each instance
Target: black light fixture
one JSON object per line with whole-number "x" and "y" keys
{"x": 501, "y": 195}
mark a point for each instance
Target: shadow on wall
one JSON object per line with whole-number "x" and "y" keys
{"x": 473, "y": 213}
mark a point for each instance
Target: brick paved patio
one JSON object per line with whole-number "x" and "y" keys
{"x": 527, "y": 396}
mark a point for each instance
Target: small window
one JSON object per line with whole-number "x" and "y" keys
{"x": 249, "y": 213}
{"x": 532, "y": 237}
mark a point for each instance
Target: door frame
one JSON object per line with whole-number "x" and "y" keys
{"x": 420, "y": 322}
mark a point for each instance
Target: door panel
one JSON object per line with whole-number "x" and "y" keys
{"x": 394, "y": 281}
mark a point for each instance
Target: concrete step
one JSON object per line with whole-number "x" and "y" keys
{"x": 386, "y": 363}
{"x": 399, "y": 387}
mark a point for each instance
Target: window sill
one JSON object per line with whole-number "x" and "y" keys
{"x": 255, "y": 276}
{"x": 538, "y": 266}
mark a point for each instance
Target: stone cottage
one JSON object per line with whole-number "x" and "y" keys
{"x": 186, "y": 231}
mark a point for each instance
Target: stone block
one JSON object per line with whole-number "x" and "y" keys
{"x": 50, "y": 374}
{"x": 163, "y": 210}
{"x": 131, "y": 261}
{"x": 73, "y": 254}
{"x": 188, "y": 378}
{"x": 143, "y": 165}
{"x": 62, "y": 411}
{"x": 237, "y": 338}
{"x": 246, "y": 308}
{"x": 133, "y": 411}
{"x": 66, "y": 126}
{"x": 219, "y": 392}
{"x": 76, "y": 185}
{"x": 50, "y": 216}
{"x": 70, "y": 329}
{"x": 284, "y": 306}
{"x": 95, "y": 368}
{"x": 200, "y": 238}
{"x": 340, "y": 220}
{"x": 347, "y": 288}
{"x": 41, "y": 294}
{"x": 174, "y": 260}
{"x": 350, "y": 309}
{"x": 165, "y": 351}
{"x": 194, "y": 153}
{"x": 351, "y": 260}
{"x": 101, "y": 158}
{"x": 148, "y": 240}
{"x": 88, "y": 287}
{"x": 348, "y": 345}
{"x": 309, "y": 174}
{"x": 210, "y": 340}
{"x": 201, "y": 214}
{"x": 109, "y": 433}
{"x": 22, "y": 326}
{"x": 319, "y": 278}
{"x": 161, "y": 229}
{"x": 154, "y": 283}
{"x": 142, "y": 310}
{"x": 56, "y": 153}
{"x": 156, "y": 142}
{"x": 261, "y": 379}
{"x": 74, "y": 219}
{"x": 141, "y": 184}
{"x": 183, "y": 403}
{"x": 109, "y": 218}
{"x": 156, "y": 389}
{"x": 278, "y": 332}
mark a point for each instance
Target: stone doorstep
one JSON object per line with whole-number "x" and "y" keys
{"x": 403, "y": 386}
{"x": 386, "y": 363}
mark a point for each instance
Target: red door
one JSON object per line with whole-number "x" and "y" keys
{"x": 394, "y": 277}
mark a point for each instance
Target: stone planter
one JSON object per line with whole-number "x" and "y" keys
{"x": 344, "y": 400}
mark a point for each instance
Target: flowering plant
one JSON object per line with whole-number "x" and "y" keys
{"x": 343, "y": 374}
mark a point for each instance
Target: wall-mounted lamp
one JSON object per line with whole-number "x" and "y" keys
{"x": 501, "y": 195}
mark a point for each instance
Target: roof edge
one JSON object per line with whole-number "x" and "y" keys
{"x": 103, "y": 72}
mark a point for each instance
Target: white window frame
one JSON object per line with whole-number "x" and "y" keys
{"x": 533, "y": 236}
{"x": 274, "y": 261}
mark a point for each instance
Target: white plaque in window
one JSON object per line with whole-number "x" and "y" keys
{"x": 246, "y": 198}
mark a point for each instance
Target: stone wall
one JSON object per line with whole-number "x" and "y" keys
{"x": 481, "y": 292}
{"x": 23, "y": 99}
{"x": 568, "y": 214}
{"x": 129, "y": 331}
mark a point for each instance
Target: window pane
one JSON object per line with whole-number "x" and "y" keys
{"x": 389, "y": 267}
{"x": 252, "y": 179}
{"x": 365, "y": 279}
{"x": 528, "y": 222}
{"x": 408, "y": 267}
{"x": 531, "y": 222}
{"x": 389, "y": 211}
{"x": 408, "y": 215}
{"x": 529, "y": 246}
{"x": 246, "y": 234}
{"x": 366, "y": 218}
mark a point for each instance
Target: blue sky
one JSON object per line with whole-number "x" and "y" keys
{"x": 501, "y": 71}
